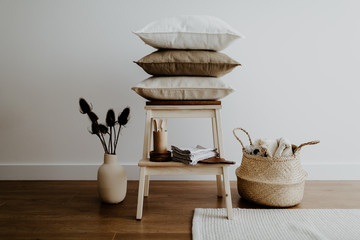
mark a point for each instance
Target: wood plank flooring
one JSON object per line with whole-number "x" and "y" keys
{"x": 71, "y": 209}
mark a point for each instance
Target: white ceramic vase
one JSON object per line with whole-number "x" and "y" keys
{"x": 112, "y": 180}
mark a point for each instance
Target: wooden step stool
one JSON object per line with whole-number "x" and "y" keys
{"x": 183, "y": 109}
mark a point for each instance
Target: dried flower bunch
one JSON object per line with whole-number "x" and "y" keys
{"x": 109, "y": 132}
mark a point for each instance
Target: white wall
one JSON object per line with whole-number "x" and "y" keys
{"x": 299, "y": 79}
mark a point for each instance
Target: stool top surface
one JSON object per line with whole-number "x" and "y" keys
{"x": 148, "y": 163}
{"x": 179, "y": 102}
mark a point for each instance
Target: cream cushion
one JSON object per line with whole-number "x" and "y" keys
{"x": 189, "y": 32}
{"x": 183, "y": 88}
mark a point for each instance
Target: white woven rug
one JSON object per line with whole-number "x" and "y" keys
{"x": 277, "y": 224}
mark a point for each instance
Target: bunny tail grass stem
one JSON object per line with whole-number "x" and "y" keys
{"x": 109, "y": 143}
{"x": 102, "y": 143}
{"x": 117, "y": 138}
{"x": 112, "y": 140}
{"x": 114, "y": 144}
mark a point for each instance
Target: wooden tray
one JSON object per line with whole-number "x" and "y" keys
{"x": 160, "y": 157}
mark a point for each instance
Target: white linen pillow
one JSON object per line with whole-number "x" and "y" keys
{"x": 183, "y": 88}
{"x": 189, "y": 32}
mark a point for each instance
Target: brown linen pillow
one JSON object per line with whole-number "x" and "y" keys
{"x": 187, "y": 63}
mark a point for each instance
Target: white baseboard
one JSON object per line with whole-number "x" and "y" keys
{"x": 318, "y": 171}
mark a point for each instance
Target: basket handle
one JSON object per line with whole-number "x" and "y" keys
{"x": 304, "y": 144}
{"x": 239, "y": 138}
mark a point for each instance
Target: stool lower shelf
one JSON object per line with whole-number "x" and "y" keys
{"x": 148, "y": 168}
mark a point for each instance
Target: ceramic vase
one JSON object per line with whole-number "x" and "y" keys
{"x": 112, "y": 180}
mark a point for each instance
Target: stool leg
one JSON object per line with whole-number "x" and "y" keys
{"x": 219, "y": 133}
{"x": 227, "y": 193}
{"x": 147, "y": 183}
{"x": 214, "y": 132}
{"x": 141, "y": 193}
{"x": 219, "y": 186}
{"x": 147, "y": 135}
{"x": 216, "y": 145}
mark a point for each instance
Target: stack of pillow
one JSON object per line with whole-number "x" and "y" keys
{"x": 187, "y": 64}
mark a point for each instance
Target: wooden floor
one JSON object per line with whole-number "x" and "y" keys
{"x": 71, "y": 209}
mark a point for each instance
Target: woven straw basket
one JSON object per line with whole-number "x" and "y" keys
{"x": 276, "y": 182}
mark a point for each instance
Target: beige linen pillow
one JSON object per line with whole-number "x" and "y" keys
{"x": 187, "y": 63}
{"x": 189, "y": 32}
{"x": 183, "y": 88}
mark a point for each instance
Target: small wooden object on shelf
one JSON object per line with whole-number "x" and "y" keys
{"x": 160, "y": 141}
{"x": 160, "y": 157}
